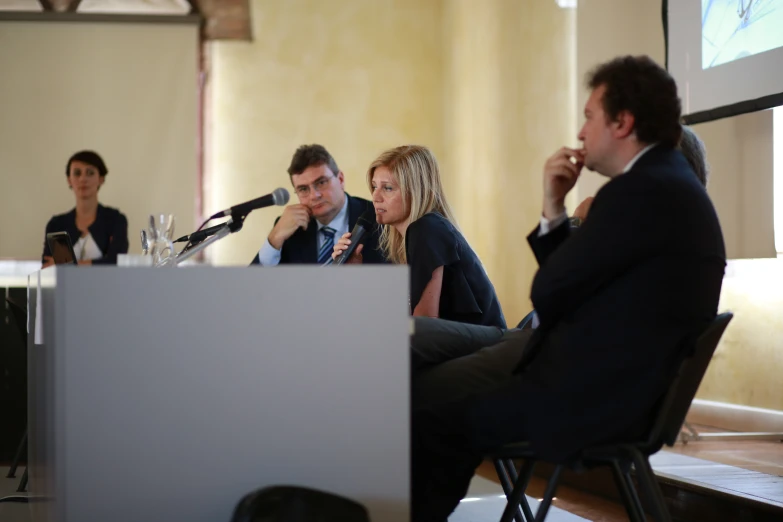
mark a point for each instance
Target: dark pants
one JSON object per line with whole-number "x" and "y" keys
{"x": 465, "y": 403}
{"x": 450, "y": 440}
{"x": 452, "y": 360}
{"x": 436, "y": 341}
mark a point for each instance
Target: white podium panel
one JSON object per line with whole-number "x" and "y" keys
{"x": 168, "y": 394}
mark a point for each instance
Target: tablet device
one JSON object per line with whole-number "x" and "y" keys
{"x": 61, "y": 248}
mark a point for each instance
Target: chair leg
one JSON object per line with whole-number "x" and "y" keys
{"x": 23, "y": 483}
{"x": 503, "y": 476}
{"x": 507, "y": 480}
{"x": 549, "y": 494}
{"x": 512, "y": 472}
{"x": 628, "y": 493}
{"x": 514, "y": 500}
{"x": 18, "y": 456}
{"x": 634, "y": 495}
{"x": 649, "y": 484}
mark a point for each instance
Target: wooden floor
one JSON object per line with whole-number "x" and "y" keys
{"x": 748, "y": 470}
{"x": 753, "y": 469}
{"x": 761, "y": 456}
{"x": 580, "y": 503}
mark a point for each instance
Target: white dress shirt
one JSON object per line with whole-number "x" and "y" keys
{"x": 270, "y": 256}
{"x": 87, "y": 248}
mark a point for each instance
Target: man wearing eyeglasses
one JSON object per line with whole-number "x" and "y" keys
{"x": 305, "y": 233}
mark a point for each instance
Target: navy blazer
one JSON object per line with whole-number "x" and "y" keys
{"x": 110, "y": 232}
{"x": 302, "y": 246}
{"x": 618, "y": 303}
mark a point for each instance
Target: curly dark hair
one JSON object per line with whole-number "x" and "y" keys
{"x": 90, "y": 158}
{"x": 642, "y": 87}
{"x": 307, "y": 156}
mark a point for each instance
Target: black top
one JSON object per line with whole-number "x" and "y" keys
{"x": 302, "y": 246}
{"x": 110, "y": 232}
{"x": 467, "y": 295}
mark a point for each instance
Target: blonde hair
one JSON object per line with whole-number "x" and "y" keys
{"x": 415, "y": 170}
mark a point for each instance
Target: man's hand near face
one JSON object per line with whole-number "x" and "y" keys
{"x": 561, "y": 172}
{"x": 293, "y": 217}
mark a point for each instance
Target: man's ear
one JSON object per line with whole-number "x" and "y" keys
{"x": 624, "y": 125}
{"x": 341, "y": 178}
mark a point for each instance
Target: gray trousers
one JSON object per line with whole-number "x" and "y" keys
{"x": 451, "y": 361}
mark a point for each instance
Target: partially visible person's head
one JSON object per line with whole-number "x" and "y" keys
{"x": 405, "y": 184}
{"x": 318, "y": 182}
{"x": 696, "y": 153}
{"x": 633, "y": 103}
{"x": 86, "y": 172}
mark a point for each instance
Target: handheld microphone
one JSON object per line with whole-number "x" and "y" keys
{"x": 278, "y": 197}
{"x": 363, "y": 225}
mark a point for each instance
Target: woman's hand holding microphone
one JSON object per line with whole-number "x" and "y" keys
{"x": 342, "y": 245}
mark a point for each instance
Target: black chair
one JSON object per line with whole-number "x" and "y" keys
{"x": 20, "y": 317}
{"x": 665, "y": 428}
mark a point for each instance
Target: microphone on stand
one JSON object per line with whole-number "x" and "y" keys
{"x": 363, "y": 225}
{"x": 279, "y": 197}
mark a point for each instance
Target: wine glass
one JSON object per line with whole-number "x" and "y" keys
{"x": 161, "y": 236}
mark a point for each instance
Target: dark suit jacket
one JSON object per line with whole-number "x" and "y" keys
{"x": 619, "y": 303}
{"x": 110, "y": 232}
{"x": 302, "y": 247}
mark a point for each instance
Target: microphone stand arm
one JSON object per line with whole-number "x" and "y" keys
{"x": 234, "y": 224}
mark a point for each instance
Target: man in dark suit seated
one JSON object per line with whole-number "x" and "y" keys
{"x": 305, "y": 233}
{"x": 437, "y": 340}
{"x": 619, "y": 301}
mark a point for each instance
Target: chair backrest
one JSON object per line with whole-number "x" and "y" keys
{"x": 20, "y": 317}
{"x": 675, "y": 404}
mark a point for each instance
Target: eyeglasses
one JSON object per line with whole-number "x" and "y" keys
{"x": 319, "y": 185}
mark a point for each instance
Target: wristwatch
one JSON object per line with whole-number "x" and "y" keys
{"x": 575, "y": 222}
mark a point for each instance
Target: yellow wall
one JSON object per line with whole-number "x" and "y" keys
{"x": 748, "y": 364}
{"x": 486, "y": 85}
{"x": 509, "y": 91}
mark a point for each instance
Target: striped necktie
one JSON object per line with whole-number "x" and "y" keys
{"x": 325, "y": 252}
